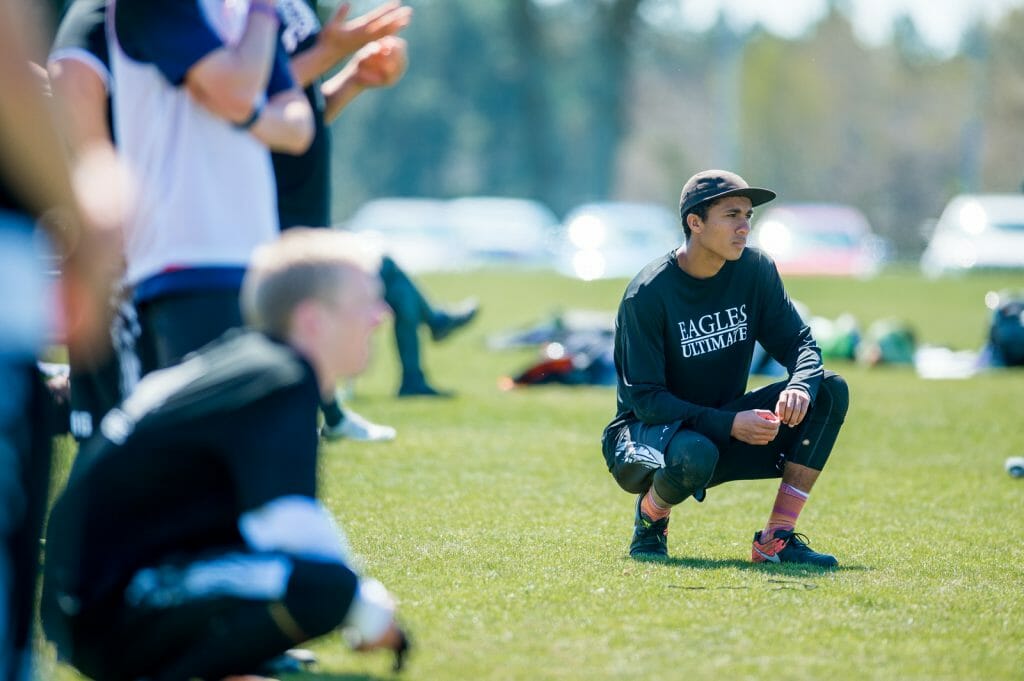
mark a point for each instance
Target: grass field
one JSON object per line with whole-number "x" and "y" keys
{"x": 494, "y": 520}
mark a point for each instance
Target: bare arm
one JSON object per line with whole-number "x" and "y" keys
{"x": 231, "y": 80}
{"x": 342, "y": 37}
{"x": 33, "y": 165}
{"x": 81, "y": 101}
{"x": 286, "y": 123}
{"x": 380, "y": 64}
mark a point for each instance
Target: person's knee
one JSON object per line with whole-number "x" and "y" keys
{"x": 834, "y": 397}
{"x": 689, "y": 464}
{"x": 633, "y": 477}
{"x": 319, "y": 596}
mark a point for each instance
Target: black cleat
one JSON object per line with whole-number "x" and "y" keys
{"x": 446, "y": 322}
{"x": 650, "y": 537}
{"x": 788, "y": 546}
{"x": 423, "y": 390}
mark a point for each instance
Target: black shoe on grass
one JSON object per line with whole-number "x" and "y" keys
{"x": 788, "y": 546}
{"x": 650, "y": 537}
{"x": 447, "y": 321}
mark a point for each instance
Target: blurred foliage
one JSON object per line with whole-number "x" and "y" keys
{"x": 572, "y": 100}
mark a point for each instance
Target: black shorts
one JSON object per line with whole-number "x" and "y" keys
{"x": 177, "y": 324}
{"x": 636, "y": 450}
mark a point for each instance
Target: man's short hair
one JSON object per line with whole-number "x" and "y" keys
{"x": 302, "y": 264}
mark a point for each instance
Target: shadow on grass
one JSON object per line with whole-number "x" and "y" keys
{"x": 334, "y": 676}
{"x": 790, "y": 570}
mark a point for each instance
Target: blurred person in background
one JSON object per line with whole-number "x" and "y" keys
{"x": 211, "y": 472}
{"x": 35, "y": 193}
{"x": 684, "y": 339}
{"x": 378, "y": 59}
{"x": 199, "y": 99}
{"x": 79, "y": 78}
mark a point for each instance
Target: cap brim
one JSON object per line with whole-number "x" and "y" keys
{"x": 757, "y": 195}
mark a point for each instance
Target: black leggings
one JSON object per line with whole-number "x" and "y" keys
{"x": 692, "y": 463}
{"x": 208, "y": 637}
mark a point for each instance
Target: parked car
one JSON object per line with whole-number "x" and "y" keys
{"x": 507, "y": 232}
{"x": 417, "y": 233}
{"x": 615, "y": 239}
{"x": 977, "y": 231}
{"x": 819, "y": 239}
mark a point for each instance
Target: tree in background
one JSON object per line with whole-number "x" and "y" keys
{"x": 573, "y": 100}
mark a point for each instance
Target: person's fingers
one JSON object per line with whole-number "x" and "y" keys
{"x": 341, "y": 14}
{"x": 782, "y": 408}
{"x": 388, "y": 25}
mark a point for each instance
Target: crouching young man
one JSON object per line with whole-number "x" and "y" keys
{"x": 189, "y": 541}
{"x": 684, "y": 338}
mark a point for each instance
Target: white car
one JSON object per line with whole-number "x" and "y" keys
{"x": 506, "y": 232}
{"x": 416, "y": 233}
{"x": 977, "y": 231}
{"x": 615, "y": 239}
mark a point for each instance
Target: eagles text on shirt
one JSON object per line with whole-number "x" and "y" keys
{"x": 714, "y": 331}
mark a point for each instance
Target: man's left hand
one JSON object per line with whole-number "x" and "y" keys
{"x": 381, "y": 63}
{"x": 792, "y": 406}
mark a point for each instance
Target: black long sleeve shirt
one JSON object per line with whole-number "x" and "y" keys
{"x": 683, "y": 345}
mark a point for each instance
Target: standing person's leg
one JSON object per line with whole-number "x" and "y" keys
{"x": 174, "y": 325}
{"x": 99, "y": 386}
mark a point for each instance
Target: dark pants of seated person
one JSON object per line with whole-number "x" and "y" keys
{"x": 692, "y": 463}
{"x": 219, "y": 616}
{"x": 176, "y": 324}
{"x": 410, "y": 309}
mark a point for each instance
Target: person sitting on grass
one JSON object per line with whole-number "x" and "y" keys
{"x": 684, "y": 338}
{"x": 189, "y": 541}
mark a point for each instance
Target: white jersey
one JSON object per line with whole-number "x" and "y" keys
{"x": 207, "y": 197}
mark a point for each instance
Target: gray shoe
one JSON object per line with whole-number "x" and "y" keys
{"x": 358, "y": 428}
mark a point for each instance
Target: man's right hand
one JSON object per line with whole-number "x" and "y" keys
{"x": 345, "y": 36}
{"x": 395, "y": 640}
{"x": 753, "y": 428}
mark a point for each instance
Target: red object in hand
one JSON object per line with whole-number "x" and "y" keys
{"x": 767, "y": 415}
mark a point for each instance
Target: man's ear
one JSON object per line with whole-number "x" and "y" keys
{"x": 307, "y": 318}
{"x": 695, "y": 224}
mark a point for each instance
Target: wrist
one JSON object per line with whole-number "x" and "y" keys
{"x": 257, "y": 111}
{"x": 265, "y": 8}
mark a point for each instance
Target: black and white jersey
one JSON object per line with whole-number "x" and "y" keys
{"x": 206, "y": 194}
{"x": 196, "y": 446}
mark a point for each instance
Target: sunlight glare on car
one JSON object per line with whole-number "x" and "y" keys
{"x": 588, "y": 265}
{"x": 973, "y": 218}
{"x": 775, "y": 237}
{"x": 587, "y": 232}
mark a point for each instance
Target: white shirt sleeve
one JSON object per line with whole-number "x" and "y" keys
{"x": 297, "y": 525}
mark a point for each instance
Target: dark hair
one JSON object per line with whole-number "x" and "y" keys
{"x": 701, "y": 211}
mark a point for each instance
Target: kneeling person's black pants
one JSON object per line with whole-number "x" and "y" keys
{"x": 680, "y": 463}
{"x": 213, "y": 617}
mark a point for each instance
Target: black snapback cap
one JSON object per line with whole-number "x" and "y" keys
{"x": 716, "y": 184}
